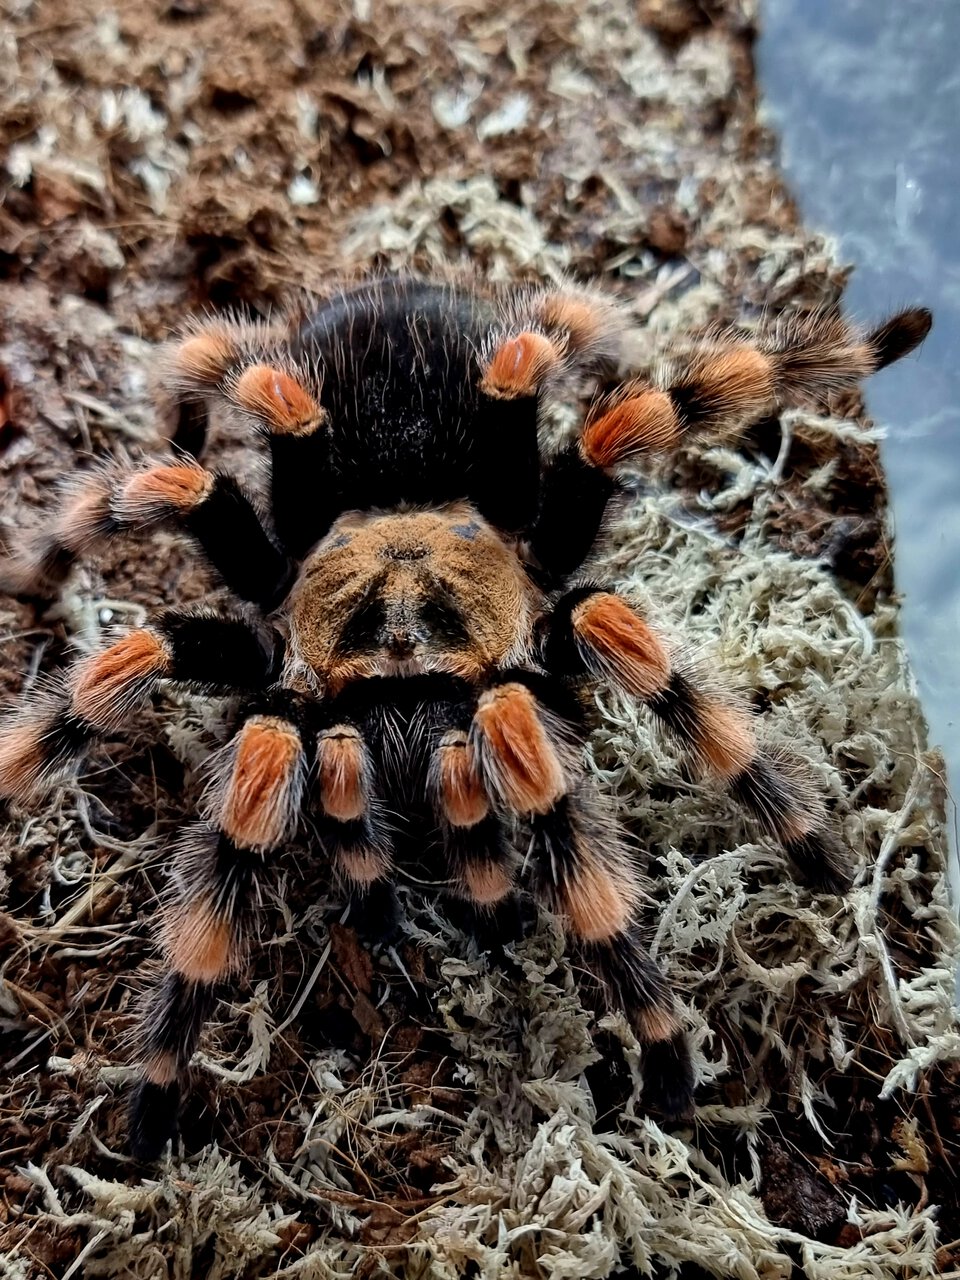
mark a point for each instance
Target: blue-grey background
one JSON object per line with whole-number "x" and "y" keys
{"x": 865, "y": 95}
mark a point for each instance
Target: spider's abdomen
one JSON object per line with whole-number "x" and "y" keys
{"x": 400, "y": 373}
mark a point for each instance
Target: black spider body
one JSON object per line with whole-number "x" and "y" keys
{"x": 414, "y": 685}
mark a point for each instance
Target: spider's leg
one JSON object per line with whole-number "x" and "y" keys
{"x": 596, "y": 633}
{"x": 45, "y": 739}
{"x": 252, "y": 368}
{"x": 584, "y": 873}
{"x": 283, "y": 398}
{"x": 717, "y": 389}
{"x": 579, "y": 864}
{"x": 112, "y": 500}
{"x": 542, "y": 336}
{"x": 253, "y": 807}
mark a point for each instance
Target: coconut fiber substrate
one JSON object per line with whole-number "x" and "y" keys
{"x": 425, "y": 1110}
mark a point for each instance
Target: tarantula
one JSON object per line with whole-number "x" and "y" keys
{"x": 415, "y": 679}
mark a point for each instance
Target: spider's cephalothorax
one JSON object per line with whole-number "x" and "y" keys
{"x": 409, "y": 593}
{"x": 415, "y": 685}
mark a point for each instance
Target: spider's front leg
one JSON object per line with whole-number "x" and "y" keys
{"x": 252, "y": 809}
{"x": 592, "y": 632}
{"x": 524, "y": 750}
{"x": 45, "y": 740}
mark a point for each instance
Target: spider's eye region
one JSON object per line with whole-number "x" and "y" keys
{"x": 404, "y": 553}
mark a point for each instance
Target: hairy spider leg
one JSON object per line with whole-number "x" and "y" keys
{"x": 46, "y": 739}
{"x": 212, "y": 508}
{"x": 718, "y": 389}
{"x": 252, "y": 368}
{"x": 594, "y": 632}
{"x": 580, "y": 867}
{"x": 252, "y": 809}
{"x": 543, "y": 335}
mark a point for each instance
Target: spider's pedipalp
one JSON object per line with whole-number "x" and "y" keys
{"x": 478, "y": 855}
{"x": 456, "y": 782}
{"x": 350, "y": 825}
{"x": 360, "y": 849}
{"x": 480, "y": 861}
{"x": 343, "y": 773}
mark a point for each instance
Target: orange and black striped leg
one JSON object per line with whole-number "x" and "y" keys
{"x": 724, "y": 385}
{"x": 630, "y": 981}
{"x": 45, "y": 740}
{"x": 253, "y": 807}
{"x": 192, "y": 370}
{"x": 505, "y": 478}
{"x": 212, "y": 508}
{"x": 285, "y": 401}
{"x": 582, "y": 871}
{"x": 255, "y": 372}
{"x": 203, "y": 938}
{"x": 587, "y": 325}
{"x": 574, "y": 499}
{"x": 520, "y": 748}
{"x": 716, "y": 390}
{"x": 596, "y": 633}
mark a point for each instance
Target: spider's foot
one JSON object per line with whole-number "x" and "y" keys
{"x": 376, "y": 913}
{"x": 821, "y": 861}
{"x": 668, "y": 1082}
{"x": 152, "y": 1114}
{"x": 492, "y": 928}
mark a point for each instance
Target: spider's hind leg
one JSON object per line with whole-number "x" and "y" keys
{"x": 541, "y": 337}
